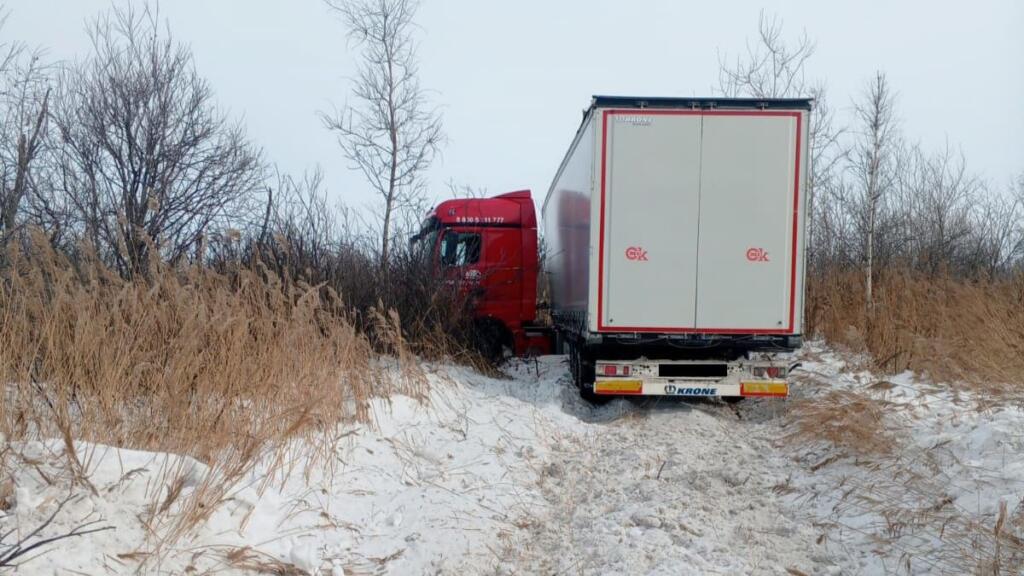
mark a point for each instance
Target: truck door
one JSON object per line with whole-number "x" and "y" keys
{"x": 651, "y": 206}
{"x": 747, "y": 222}
{"x": 502, "y": 279}
{"x": 487, "y": 265}
{"x": 459, "y": 253}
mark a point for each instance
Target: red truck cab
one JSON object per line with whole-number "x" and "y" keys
{"x": 488, "y": 246}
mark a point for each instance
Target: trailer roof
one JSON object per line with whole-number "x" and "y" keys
{"x": 697, "y": 102}
{"x": 700, "y": 102}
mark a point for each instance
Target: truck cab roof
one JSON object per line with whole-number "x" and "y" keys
{"x": 514, "y": 209}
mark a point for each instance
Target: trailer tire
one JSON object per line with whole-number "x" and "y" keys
{"x": 589, "y": 397}
{"x": 584, "y": 373}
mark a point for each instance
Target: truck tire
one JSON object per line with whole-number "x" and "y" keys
{"x": 491, "y": 339}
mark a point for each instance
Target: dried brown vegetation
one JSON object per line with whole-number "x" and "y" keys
{"x": 190, "y": 362}
{"x": 964, "y": 331}
{"x": 854, "y": 423}
{"x": 225, "y": 367}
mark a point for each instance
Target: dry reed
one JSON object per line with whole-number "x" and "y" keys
{"x": 951, "y": 329}
{"x": 225, "y": 367}
{"x": 855, "y": 423}
{"x": 896, "y": 492}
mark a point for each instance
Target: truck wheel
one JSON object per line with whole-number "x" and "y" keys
{"x": 583, "y": 375}
{"x": 491, "y": 340}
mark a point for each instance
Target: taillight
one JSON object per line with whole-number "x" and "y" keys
{"x": 768, "y": 371}
{"x": 615, "y": 370}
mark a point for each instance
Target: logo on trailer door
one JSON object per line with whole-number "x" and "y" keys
{"x": 636, "y": 254}
{"x": 757, "y": 255}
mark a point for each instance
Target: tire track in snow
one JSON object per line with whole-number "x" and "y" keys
{"x": 667, "y": 487}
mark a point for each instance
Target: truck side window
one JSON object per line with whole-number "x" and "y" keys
{"x": 460, "y": 248}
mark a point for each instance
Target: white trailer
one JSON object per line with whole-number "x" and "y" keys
{"x": 674, "y": 234}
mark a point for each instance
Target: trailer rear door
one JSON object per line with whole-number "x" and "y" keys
{"x": 650, "y": 211}
{"x": 748, "y": 196}
{"x": 699, "y": 214}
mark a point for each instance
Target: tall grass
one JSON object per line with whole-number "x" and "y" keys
{"x": 952, "y": 329}
{"x": 227, "y": 367}
{"x": 963, "y": 332}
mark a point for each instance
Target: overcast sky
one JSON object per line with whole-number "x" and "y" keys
{"x": 513, "y": 77}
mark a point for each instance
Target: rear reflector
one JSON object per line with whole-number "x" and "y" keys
{"x": 618, "y": 386}
{"x": 764, "y": 388}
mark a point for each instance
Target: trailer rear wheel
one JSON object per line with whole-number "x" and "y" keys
{"x": 589, "y": 397}
{"x": 584, "y": 373}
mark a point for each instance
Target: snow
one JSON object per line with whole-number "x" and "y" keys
{"x": 518, "y": 476}
{"x": 931, "y": 504}
{"x": 429, "y": 488}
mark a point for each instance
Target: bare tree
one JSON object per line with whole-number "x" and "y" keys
{"x": 390, "y": 133}
{"x": 24, "y": 104}
{"x": 307, "y": 232}
{"x": 996, "y": 238}
{"x": 456, "y": 190}
{"x": 774, "y": 67}
{"x": 871, "y": 163}
{"x": 771, "y": 68}
{"x": 145, "y": 158}
{"x": 938, "y": 196}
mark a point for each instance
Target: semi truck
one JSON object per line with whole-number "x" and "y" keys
{"x": 673, "y": 255}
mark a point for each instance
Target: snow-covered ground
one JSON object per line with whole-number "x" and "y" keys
{"x": 927, "y": 498}
{"x": 519, "y": 476}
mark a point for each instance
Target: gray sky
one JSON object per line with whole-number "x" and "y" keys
{"x": 513, "y": 77}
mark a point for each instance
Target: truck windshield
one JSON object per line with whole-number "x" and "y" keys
{"x": 460, "y": 248}
{"x": 424, "y": 241}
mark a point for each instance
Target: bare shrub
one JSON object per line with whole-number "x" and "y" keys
{"x": 304, "y": 239}
{"x": 13, "y": 551}
{"x": 145, "y": 159}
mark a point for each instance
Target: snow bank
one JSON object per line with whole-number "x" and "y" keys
{"x": 430, "y": 488}
{"x": 931, "y": 505}
{"x": 519, "y": 476}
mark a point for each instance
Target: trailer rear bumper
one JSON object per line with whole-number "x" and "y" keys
{"x": 758, "y": 377}
{"x": 635, "y": 387}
